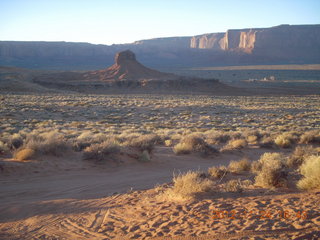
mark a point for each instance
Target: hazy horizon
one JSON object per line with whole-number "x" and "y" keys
{"x": 124, "y": 21}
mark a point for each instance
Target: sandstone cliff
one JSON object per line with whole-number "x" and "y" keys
{"x": 282, "y": 44}
{"x": 276, "y": 41}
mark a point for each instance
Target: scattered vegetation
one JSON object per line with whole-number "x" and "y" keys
{"x": 86, "y": 123}
{"x": 271, "y": 171}
{"x": 217, "y": 172}
{"x": 101, "y": 151}
{"x": 310, "y": 170}
{"x": 144, "y": 142}
{"x": 187, "y": 186}
{"x": 3, "y": 148}
{"x": 242, "y": 165}
{"x": 285, "y": 140}
{"x": 193, "y": 143}
{"x": 25, "y": 154}
{"x": 233, "y": 186}
{"x": 312, "y": 136}
{"x": 266, "y": 142}
{"x": 47, "y": 143}
{"x": 299, "y": 154}
{"x": 235, "y": 144}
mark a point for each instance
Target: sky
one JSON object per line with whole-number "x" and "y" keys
{"x": 125, "y": 21}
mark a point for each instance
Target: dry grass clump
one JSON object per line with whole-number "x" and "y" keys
{"x": 217, "y": 172}
{"x": 266, "y": 142}
{"x": 252, "y": 136}
{"x": 246, "y": 183}
{"x": 101, "y": 151}
{"x": 242, "y": 165}
{"x": 235, "y": 144}
{"x": 187, "y": 186}
{"x": 299, "y": 154}
{"x": 15, "y": 141}
{"x": 310, "y": 137}
{"x": 144, "y": 142}
{"x": 217, "y": 137}
{"x": 193, "y": 143}
{"x": 86, "y": 138}
{"x": 3, "y": 148}
{"x": 256, "y": 167}
{"x": 168, "y": 143}
{"x": 252, "y": 139}
{"x": 24, "y": 154}
{"x": 272, "y": 173}
{"x": 233, "y": 186}
{"x": 285, "y": 140}
{"x": 48, "y": 143}
{"x": 310, "y": 170}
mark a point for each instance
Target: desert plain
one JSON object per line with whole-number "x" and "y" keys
{"x": 88, "y": 166}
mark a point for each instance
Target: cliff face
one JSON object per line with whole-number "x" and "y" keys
{"x": 208, "y": 41}
{"x": 169, "y": 42}
{"x": 281, "y": 44}
{"x": 276, "y": 41}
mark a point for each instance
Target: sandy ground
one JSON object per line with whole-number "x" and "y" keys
{"x": 59, "y": 199}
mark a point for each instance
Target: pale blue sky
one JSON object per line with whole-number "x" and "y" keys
{"x": 124, "y": 21}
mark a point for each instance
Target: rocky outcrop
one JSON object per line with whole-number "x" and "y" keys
{"x": 126, "y": 67}
{"x": 127, "y": 75}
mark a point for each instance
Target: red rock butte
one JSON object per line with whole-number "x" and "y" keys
{"x": 126, "y": 67}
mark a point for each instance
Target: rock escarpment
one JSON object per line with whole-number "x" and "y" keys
{"x": 285, "y": 44}
{"x": 276, "y": 41}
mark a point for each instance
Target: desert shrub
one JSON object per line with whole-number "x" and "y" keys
{"x": 239, "y": 166}
{"x": 168, "y": 142}
{"x": 285, "y": 140}
{"x": 273, "y": 159}
{"x": 217, "y": 137}
{"x": 299, "y": 154}
{"x": 49, "y": 143}
{"x": 87, "y": 138}
{"x": 273, "y": 173}
{"x": 235, "y": 144}
{"x": 187, "y": 186}
{"x": 252, "y": 139}
{"x": 233, "y": 186}
{"x": 252, "y": 136}
{"x": 145, "y": 156}
{"x": 128, "y": 135}
{"x": 24, "y": 154}
{"x": 246, "y": 183}
{"x": 3, "y": 148}
{"x": 15, "y": 141}
{"x": 256, "y": 167}
{"x": 182, "y": 148}
{"x": 266, "y": 142}
{"x": 310, "y": 170}
{"x": 193, "y": 143}
{"x": 310, "y": 137}
{"x": 144, "y": 142}
{"x": 217, "y": 172}
{"x": 101, "y": 151}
